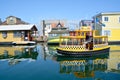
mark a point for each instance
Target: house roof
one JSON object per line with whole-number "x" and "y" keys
{"x": 13, "y": 16}
{"x": 16, "y": 27}
{"x": 18, "y": 21}
{"x": 110, "y": 13}
{"x": 107, "y": 13}
{"x": 59, "y": 25}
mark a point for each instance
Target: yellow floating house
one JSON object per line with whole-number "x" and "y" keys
{"x": 111, "y": 27}
{"x": 17, "y": 34}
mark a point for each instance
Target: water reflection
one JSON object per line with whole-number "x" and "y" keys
{"x": 114, "y": 59}
{"x": 82, "y": 67}
{"x": 86, "y": 67}
{"x": 48, "y": 51}
{"x": 44, "y": 64}
{"x": 16, "y": 54}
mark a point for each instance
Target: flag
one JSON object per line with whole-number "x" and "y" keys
{"x": 98, "y": 21}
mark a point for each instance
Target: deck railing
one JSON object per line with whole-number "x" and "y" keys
{"x": 79, "y": 42}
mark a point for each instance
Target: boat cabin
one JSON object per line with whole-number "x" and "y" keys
{"x": 85, "y": 39}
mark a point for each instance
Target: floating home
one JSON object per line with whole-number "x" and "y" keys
{"x": 18, "y": 34}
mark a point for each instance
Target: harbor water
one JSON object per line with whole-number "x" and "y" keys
{"x": 41, "y": 62}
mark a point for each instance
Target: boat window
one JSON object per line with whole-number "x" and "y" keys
{"x": 82, "y": 34}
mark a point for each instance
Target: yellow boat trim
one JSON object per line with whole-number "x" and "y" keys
{"x": 80, "y": 50}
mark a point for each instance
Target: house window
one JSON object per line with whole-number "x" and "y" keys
{"x": 11, "y": 20}
{"x": 119, "y": 19}
{"x": 106, "y": 19}
{"x": 17, "y": 34}
{"x": 4, "y": 34}
{"x": 107, "y": 32}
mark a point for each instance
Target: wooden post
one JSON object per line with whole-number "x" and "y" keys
{"x": 60, "y": 41}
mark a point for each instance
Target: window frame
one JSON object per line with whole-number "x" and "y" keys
{"x": 119, "y": 19}
{"x": 4, "y": 34}
{"x": 106, "y": 19}
{"x": 11, "y": 20}
{"x": 107, "y": 32}
{"x": 17, "y": 34}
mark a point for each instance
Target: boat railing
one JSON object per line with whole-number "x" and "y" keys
{"x": 72, "y": 40}
{"x": 74, "y": 62}
{"x": 80, "y": 42}
{"x": 82, "y": 65}
{"x": 72, "y": 43}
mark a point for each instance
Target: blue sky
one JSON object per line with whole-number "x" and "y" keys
{"x": 33, "y": 11}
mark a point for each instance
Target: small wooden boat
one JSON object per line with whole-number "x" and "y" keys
{"x": 83, "y": 43}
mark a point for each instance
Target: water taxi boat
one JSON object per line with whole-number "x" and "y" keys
{"x": 83, "y": 43}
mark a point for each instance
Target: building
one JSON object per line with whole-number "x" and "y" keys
{"x": 86, "y": 23}
{"x": 83, "y": 25}
{"x": 12, "y": 20}
{"x": 108, "y": 23}
{"x": 53, "y": 29}
{"x": 17, "y": 33}
{"x": 51, "y": 25}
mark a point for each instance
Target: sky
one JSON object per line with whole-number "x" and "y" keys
{"x": 33, "y": 11}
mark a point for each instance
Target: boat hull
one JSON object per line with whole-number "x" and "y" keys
{"x": 84, "y": 53}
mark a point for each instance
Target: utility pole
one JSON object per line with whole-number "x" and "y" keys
{"x": 0, "y": 21}
{"x": 44, "y": 25}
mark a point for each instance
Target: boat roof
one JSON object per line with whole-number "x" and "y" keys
{"x": 16, "y": 27}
